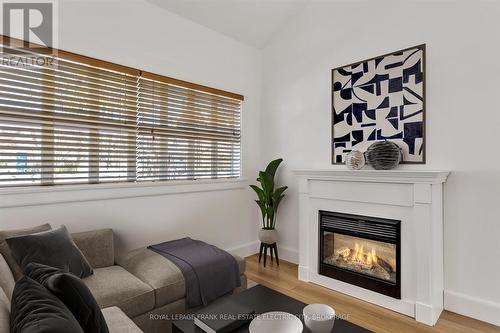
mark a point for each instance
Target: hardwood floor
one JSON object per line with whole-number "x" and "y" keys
{"x": 284, "y": 279}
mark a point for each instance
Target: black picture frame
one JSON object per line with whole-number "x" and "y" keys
{"x": 424, "y": 140}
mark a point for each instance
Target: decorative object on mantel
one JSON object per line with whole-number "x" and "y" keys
{"x": 382, "y": 98}
{"x": 384, "y": 155}
{"x": 269, "y": 198}
{"x": 355, "y": 160}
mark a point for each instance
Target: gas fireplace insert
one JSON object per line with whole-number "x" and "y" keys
{"x": 361, "y": 250}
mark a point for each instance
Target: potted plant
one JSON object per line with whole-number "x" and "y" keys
{"x": 269, "y": 198}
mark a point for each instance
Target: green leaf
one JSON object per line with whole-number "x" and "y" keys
{"x": 273, "y": 166}
{"x": 279, "y": 191}
{"x": 263, "y": 210}
{"x": 277, "y": 202}
{"x": 267, "y": 182}
{"x": 259, "y": 191}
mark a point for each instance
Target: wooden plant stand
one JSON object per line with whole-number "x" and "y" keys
{"x": 272, "y": 247}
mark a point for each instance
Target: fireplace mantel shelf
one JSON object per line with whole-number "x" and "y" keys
{"x": 402, "y": 176}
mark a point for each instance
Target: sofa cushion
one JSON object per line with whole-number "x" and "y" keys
{"x": 17, "y": 272}
{"x": 4, "y": 313}
{"x": 54, "y": 248}
{"x": 114, "y": 286}
{"x": 7, "y": 281}
{"x": 118, "y": 322}
{"x": 97, "y": 246}
{"x": 35, "y": 310}
{"x": 160, "y": 273}
{"x": 73, "y": 293}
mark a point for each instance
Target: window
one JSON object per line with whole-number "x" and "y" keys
{"x": 83, "y": 120}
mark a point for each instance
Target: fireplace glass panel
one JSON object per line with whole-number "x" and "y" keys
{"x": 361, "y": 255}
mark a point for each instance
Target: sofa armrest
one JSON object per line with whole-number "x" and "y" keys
{"x": 118, "y": 322}
{"x": 97, "y": 246}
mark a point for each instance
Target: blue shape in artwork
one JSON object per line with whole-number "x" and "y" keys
{"x": 403, "y": 116}
{"x": 377, "y": 79}
{"x": 394, "y": 122}
{"x": 339, "y": 117}
{"x": 357, "y": 111}
{"x": 337, "y": 86}
{"x": 378, "y": 61}
{"x": 384, "y": 104}
{"x": 394, "y": 65}
{"x": 365, "y": 67}
{"x": 338, "y": 159}
{"x": 372, "y": 136}
{"x": 407, "y": 102}
{"x": 369, "y": 88}
{"x": 371, "y": 113}
{"x": 412, "y": 131}
{"x": 340, "y": 144}
{"x": 368, "y": 124}
{"x": 415, "y": 70}
{"x": 346, "y": 93}
{"x": 357, "y": 137}
{"x": 382, "y": 137}
{"x": 343, "y": 72}
{"x": 393, "y": 112}
{"x": 348, "y": 119}
{"x": 414, "y": 93}
{"x": 395, "y": 84}
{"x": 356, "y": 76}
{"x": 345, "y": 138}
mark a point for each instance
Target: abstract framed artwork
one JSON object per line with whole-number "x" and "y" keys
{"x": 382, "y": 98}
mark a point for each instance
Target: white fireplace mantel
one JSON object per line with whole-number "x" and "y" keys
{"x": 413, "y": 196}
{"x": 377, "y": 176}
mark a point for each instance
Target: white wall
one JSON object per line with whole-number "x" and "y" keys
{"x": 144, "y": 36}
{"x": 463, "y": 117}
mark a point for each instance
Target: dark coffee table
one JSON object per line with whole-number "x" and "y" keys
{"x": 262, "y": 300}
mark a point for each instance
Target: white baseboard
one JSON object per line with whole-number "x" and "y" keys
{"x": 288, "y": 254}
{"x": 472, "y": 307}
{"x": 245, "y": 250}
{"x": 250, "y": 248}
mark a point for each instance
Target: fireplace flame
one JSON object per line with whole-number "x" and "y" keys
{"x": 366, "y": 259}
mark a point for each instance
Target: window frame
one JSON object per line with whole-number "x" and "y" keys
{"x": 48, "y": 179}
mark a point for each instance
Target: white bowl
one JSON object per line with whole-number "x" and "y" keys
{"x": 319, "y": 318}
{"x": 276, "y": 322}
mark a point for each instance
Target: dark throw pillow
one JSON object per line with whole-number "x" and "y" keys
{"x": 52, "y": 248}
{"x": 73, "y": 293}
{"x": 35, "y": 310}
{"x": 17, "y": 272}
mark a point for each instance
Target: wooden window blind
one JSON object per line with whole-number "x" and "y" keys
{"x": 82, "y": 120}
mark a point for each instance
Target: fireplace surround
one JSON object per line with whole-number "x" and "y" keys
{"x": 413, "y": 197}
{"x": 361, "y": 250}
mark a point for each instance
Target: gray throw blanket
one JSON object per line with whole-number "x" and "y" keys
{"x": 209, "y": 272}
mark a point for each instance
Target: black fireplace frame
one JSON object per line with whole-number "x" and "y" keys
{"x": 362, "y": 280}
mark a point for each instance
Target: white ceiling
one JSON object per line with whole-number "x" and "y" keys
{"x": 253, "y": 22}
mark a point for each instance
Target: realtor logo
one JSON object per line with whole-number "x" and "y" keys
{"x": 32, "y": 22}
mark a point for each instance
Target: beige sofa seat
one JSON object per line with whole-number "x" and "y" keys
{"x": 114, "y": 286}
{"x": 160, "y": 273}
{"x": 118, "y": 322}
{"x": 4, "y": 312}
{"x": 7, "y": 281}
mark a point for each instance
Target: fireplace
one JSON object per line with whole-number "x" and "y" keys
{"x": 361, "y": 250}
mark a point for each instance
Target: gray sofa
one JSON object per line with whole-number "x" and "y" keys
{"x": 140, "y": 290}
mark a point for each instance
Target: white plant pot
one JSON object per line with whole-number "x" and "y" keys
{"x": 268, "y": 236}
